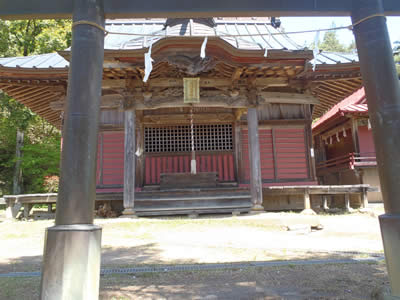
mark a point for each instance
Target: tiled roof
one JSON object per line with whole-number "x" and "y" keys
{"x": 336, "y": 58}
{"x": 51, "y": 60}
{"x": 223, "y": 26}
{"x": 356, "y": 103}
{"x": 231, "y": 26}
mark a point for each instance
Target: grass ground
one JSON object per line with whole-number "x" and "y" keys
{"x": 211, "y": 239}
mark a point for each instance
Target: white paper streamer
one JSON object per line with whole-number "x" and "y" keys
{"x": 266, "y": 51}
{"x": 148, "y": 64}
{"x": 316, "y": 50}
{"x": 265, "y": 44}
{"x": 337, "y": 136}
{"x": 203, "y": 48}
{"x": 139, "y": 152}
{"x": 344, "y": 132}
{"x": 369, "y": 125}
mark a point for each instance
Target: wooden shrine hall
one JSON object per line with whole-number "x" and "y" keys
{"x": 228, "y": 78}
{"x": 247, "y": 126}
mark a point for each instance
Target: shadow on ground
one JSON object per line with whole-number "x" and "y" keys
{"x": 340, "y": 281}
{"x": 111, "y": 257}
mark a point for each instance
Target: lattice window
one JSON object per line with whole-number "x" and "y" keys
{"x": 178, "y": 138}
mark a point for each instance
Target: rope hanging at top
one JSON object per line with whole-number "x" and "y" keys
{"x": 224, "y": 34}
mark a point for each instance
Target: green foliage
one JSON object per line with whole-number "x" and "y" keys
{"x": 41, "y": 151}
{"x": 331, "y": 42}
{"x": 40, "y": 161}
{"x": 27, "y": 37}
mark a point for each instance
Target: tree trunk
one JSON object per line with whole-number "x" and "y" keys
{"x": 17, "y": 170}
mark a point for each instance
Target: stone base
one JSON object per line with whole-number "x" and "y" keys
{"x": 390, "y": 229}
{"x": 383, "y": 293}
{"x": 129, "y": 213}
{"x": 258, "y": 208}
{"x": 71, "y": 262}
{"x": 308, "y": 211}
{"x": 366, "y": 210}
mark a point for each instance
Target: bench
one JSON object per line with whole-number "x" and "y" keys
{"x": 324, "y": 191}
{"x": 15, "y": 202}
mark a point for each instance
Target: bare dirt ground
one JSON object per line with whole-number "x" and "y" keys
{"x": 212, "y": 239}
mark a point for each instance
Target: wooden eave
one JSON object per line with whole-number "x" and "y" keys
{"x": 191, "y": 45}
{"x": 329, "y": 83}
{"x": 336, "y": 120}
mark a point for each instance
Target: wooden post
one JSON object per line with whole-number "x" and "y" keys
{"x": 17, "y": 169}
{"x": 307, "y": 204}
{"x": 129, "y": 163}
{"x": 364, "y": 198}
{"x": 383, "y": 93}
{"x": 325, "y": 202}
{"x": 354, "y": 133}
{"x": 347, "y": 202}
{"x": 255, "y": 160}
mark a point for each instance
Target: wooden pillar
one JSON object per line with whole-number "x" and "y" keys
{"x": 255, "y": 160}
{"x": 71, "y": 267}
{"x": 307, "y": 203}
{"x": 354, "y": 133}
{"x": 364, "y": 198}
{"x": 325, "y": 202}
{"x": 382, "y": 89}
{"x": 347, "y": 205}
{"x": 129, "y": 163}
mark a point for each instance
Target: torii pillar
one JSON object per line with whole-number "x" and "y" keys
{"x": 71, "y": 262}
{"x": 383, "y": 93}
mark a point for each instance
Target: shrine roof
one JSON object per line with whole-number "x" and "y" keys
{"x": 355, "y": 103}
{"x": 278, "y": 40}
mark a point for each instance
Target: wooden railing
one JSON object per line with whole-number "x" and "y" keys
{"x": 348, "y": 161}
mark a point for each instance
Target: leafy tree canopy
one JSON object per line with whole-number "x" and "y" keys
{"x": 41, "y": 150}
{"x": 331, "y": 42}
{"x": 27, "y": 37}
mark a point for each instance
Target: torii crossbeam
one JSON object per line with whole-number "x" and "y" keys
{"x": 17, "y": 9}
{"x": 72, "y": 251}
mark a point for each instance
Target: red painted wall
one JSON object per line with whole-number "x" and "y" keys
{"x": 291, "y": 159}
{"x": 366, "y": 141}
{"x": 266, "y": 153}
{"x": 110, "y": 158}
{"x": 222, "y": 163}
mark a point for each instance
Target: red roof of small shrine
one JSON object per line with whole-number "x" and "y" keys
{"x": 355, "y": 103}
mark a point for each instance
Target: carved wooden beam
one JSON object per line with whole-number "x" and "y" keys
{"x": 288, "y": 98}
{"x": 143, "y": 101}
{"x": 185, "y": 118}
{"x": 204, "y": 82}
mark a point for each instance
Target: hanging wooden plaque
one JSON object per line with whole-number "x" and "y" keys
{"x": 191, "y": 90}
